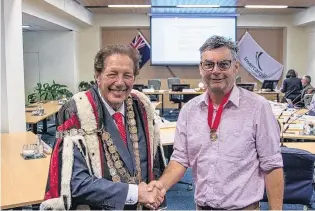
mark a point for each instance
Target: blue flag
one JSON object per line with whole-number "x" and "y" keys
{"x": 140, "y": 43}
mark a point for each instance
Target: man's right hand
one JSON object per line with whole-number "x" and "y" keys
{"x": 153, "y": 198}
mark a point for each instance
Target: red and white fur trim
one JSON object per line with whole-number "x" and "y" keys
{"x": 90, "y": 141}
{"x": 152, "y": 117}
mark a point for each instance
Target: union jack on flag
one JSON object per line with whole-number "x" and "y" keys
{"x": 140, "y": 43}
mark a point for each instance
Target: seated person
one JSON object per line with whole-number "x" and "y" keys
{"x": 306, "y": 83}
{"x": 311, "y": 107}
{"x": 292, "y": 86}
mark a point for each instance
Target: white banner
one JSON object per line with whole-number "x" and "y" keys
{"x": 256, "y": 61}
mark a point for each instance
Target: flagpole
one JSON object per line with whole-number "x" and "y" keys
{"x": 145, "y": 39}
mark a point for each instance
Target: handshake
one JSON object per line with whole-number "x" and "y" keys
{"x": 151, "y": 195}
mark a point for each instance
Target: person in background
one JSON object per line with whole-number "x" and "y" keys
{"x": 306, "y": 83}
{"x": 107, "y": 146}
{"x": 236, "y": 153}
{"x": 292, "y": 86}
{"x": 311, "y": 107}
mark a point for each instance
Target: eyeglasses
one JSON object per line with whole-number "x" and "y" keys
{"x": 223, "y": 65}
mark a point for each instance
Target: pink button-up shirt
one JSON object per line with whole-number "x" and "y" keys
{"x": 229, "y": 172}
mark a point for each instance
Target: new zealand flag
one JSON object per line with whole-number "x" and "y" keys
{"x": 140, "y": 43}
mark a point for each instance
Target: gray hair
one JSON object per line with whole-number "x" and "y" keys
{"x": 216, "y": 41}
{"x": 307, "y": 78}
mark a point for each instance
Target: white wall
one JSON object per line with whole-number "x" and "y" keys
{"x": 3, "y": 95}
{"x": 294, "y": 37}
{"x": 310, "y": 52}
{"x": 89, "y": 42}
{"x": 74, "y": 9}
{"x": 65, "y": 13}
{"x": 50, "y": 56}
{"x": 12, "y": 71}
{"x": 305, "y": 17}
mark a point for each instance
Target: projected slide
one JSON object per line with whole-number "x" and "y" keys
{"x": 176, "y": 41}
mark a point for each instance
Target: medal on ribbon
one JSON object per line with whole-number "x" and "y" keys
{"x": 214, "y": 127}
{"x": 213, "y": 135}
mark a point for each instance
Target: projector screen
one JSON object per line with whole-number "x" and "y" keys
{"x": 176, "y": 40}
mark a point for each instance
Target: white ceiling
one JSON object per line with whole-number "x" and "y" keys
{"x": 295, "y": 6}
{"x": 37, "y": 24}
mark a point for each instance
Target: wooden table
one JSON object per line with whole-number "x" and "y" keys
{"x": 169, "y": 92}
{"x": 155, "y": 104}
{"x": 308, "y": 146}
{"x": 50, "y": 108}
{"x": 270, "y": 95}
{"x": 167, "y": 136}
{"x": 23, "y": 182}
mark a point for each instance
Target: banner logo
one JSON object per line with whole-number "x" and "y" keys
{"x": 258, "y": 54}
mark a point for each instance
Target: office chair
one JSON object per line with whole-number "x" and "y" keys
{"x": 307, "y": 99}
{"x": 298, "y": 167}
{"x": 187, "y": 97}
{"x": 156, "y": 83}
{"x": 173, "y": 98}
{"x": 171, "y": 81}
{"x": 179, "y": 99}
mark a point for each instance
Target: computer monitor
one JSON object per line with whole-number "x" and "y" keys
{"x": 139, "y": 87}
{"x": 180, "y": 87}
{"x": 248, "y": 86}
{"x": 178, "y": 98}
{"x": 269, "y": 84}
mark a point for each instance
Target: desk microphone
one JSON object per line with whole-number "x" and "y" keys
{"x": 291, "y": 115}
{"x": 284, "y": 129}
{"x": 281, "y": 114}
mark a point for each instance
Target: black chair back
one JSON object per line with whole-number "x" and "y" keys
{"x": 139, "y": 87}
{"x": 171, "y": 81}
{"x": 178, "y": 88}
{"x": 298, "y": 167}
{"x": 156, "y": 83}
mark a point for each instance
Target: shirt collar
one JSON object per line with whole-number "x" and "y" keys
{"x": 110, "y": 110}
{"x": 234, "y": 97}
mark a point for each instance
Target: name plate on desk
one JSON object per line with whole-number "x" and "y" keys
{"x": 287, "y": 113}
{"x": 148, "y": 90}
{"x": 308, "y": 118}
{"x": 188, "y": 90}
{"x": 168, "y": 125}
{"x": 296, "y": 127}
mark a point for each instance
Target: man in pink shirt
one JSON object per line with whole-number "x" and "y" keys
{"x": 229, "y": 137}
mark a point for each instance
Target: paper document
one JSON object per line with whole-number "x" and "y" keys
{"x": 296, "y": 126}
{"x": 168, "y": 125}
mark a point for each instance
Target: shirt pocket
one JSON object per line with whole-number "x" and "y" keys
{"x": 196, "y": 136}
{"x": 237, "y": 140}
